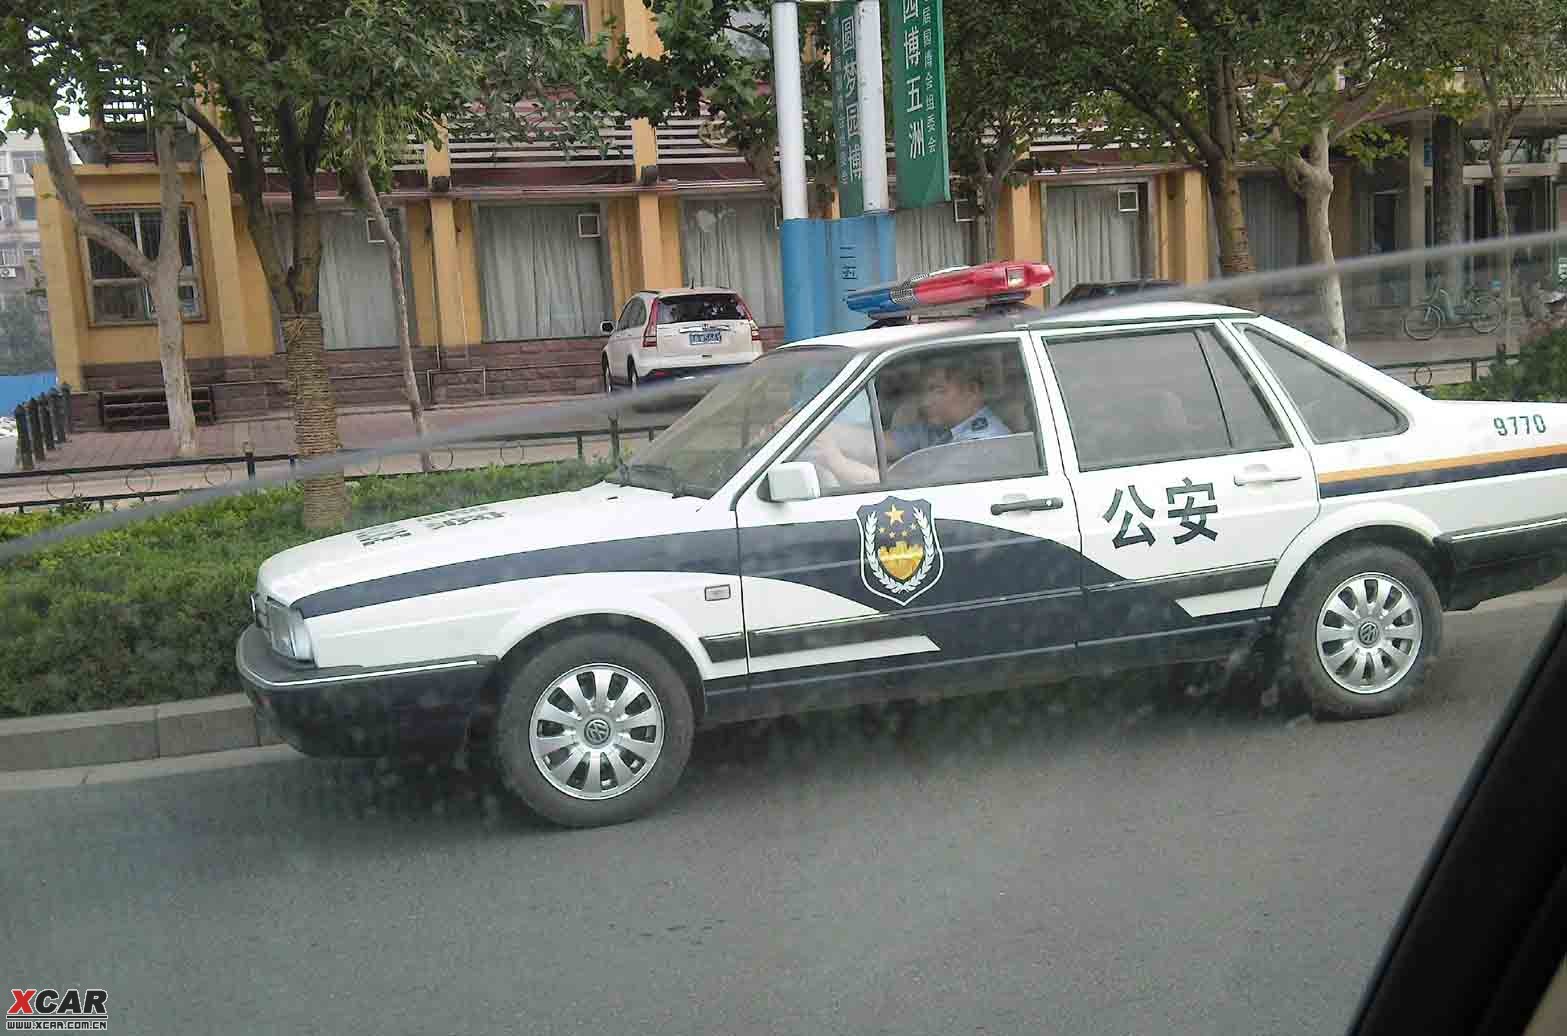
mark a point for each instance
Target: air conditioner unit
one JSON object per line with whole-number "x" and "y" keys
{"x": 9, "y": 273}
{"x": 964, "y": 210}
{"x": 1126, "y": 200}
{"x": 588, "y": 225}
{"x": 372, "y": 232}
{"x": 5, "y": 183}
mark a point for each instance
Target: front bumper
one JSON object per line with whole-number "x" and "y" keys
{"x": 360, "y": 710}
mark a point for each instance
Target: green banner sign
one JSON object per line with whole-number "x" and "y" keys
{"x": 919, "y": 103}
{"x": 846, "y": 112}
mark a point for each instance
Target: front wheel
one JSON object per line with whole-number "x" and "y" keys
{"x": 1487, "y": 314}
{"x": 1361, "y": 632}
{"x": 609, "y": 382}
{"x": 594, "y": 729}
{"x": 1422, "y": 323}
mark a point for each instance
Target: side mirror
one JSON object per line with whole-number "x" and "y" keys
{"x": 791, "y": 480}
{"x": 606, "y": 327}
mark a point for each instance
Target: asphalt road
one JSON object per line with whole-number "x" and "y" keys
{"x": 1093, "y": 863}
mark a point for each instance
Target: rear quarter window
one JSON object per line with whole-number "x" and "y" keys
{"x": 1334, "y": 408}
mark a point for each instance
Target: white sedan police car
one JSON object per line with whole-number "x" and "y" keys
{"x": 903, "y": 512}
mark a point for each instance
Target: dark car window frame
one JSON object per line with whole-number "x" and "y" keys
{"x": 1246, "y": 330}
{"x": 1195, "y": 330}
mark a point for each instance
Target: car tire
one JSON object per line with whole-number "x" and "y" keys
{"x": 632, "y": 381}
{"x": 568, "y": 703}
{"x": 1391, "y": 615}
{"x": 609, "y": 383}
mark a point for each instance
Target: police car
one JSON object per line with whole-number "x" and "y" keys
{"x": 926, "y": 510}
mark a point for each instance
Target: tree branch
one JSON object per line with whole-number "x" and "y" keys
{"x": 91, "y": 226}
{"x": 210, "y": 129}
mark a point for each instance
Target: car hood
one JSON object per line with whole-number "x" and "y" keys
{"x": 596, "y": 514}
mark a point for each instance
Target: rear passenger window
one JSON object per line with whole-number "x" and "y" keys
{"x": 1250, "y": 422}
{"x": 1334, "y": 409}
{"x": 1139, "y": 398}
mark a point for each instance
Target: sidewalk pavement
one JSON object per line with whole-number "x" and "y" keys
{"x": 360, "y": 429}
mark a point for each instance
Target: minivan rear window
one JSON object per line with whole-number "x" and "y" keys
{"x": 685, "y": 308}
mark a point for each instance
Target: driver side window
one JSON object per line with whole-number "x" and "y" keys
{"x": 933, "y": 417}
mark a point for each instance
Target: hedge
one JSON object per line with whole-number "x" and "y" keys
{"x": 149, "y": 612}
{"x": 1538, "y": 374}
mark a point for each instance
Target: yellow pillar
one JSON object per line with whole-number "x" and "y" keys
{"x": 1183, "y": 227}
{"x": 61, "y": 262}
{"x": 225, "y": 283}
{"x": 450, "y": 313}
{"x": 1020, "y": 229}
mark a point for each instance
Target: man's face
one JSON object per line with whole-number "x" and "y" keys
{"x": 948, "y": 400}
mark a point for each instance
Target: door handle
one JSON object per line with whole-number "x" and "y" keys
{"x": 1262, "y": 475}
{"x": 1040, "y": 503}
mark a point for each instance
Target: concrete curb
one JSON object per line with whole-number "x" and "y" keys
{"x": 164, "y": 731}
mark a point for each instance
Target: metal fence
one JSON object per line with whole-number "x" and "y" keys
{"x": 61, "y": 485}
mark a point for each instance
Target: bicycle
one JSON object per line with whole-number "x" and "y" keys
{"x": 1480, "y": 309}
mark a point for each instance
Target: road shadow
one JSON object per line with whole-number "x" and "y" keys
{"x": 868, "y": 744}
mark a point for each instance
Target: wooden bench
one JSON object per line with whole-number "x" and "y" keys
{"x": 149, "y": 408}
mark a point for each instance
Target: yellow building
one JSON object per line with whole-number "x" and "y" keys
{"x": 516, "y": 252}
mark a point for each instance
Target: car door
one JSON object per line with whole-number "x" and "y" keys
{"x": 627, "y": 336}
{"x": 1190, "y": 485}
{"x": 924, "y": 567}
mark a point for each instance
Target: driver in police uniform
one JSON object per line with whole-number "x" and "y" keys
{"x": 952, "y": 399}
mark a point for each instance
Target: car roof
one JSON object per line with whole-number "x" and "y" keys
{"x": 1119, "y": 314}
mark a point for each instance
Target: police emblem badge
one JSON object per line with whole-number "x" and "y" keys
{"x": 900, "y": 556}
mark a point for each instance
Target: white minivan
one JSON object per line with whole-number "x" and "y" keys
{"x": 678, "y": 333}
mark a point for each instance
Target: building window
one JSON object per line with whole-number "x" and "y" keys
{"x": 41, "y": 303}
{"x": 119, "y": 296}
{"x": 22, "y": 161}
{"x": 32, "y": 251}
{"x": 5, "y": 212}
{"x": 10, "y": 257}
{"x": 577, "y": 13}
{"x": 27, "y": 209}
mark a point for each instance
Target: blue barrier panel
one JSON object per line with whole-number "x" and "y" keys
{"x": 823, "y": 260}
{"x": 18, "y": 388}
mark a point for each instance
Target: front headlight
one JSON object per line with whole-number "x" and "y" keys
{"x": 286, "y": 631}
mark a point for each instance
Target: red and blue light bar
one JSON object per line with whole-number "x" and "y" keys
{"x": 986, "y": 282}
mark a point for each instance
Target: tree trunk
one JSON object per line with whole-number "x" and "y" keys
{"x": 1499, "y": 132}
{"x": 992, "y": 205}
{"x": 394, "y": 264}
{"x": 1224, "y": 190}
{"x": 1312, "y": 181}
{"x": 315, "y": 417}
{"x": 1447, "y": 193}
{"x": 166, "y": 297}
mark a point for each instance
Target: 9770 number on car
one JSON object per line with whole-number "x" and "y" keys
{"x": 1525, "y": 424}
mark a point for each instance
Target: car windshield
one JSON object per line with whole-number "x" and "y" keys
{"x": 683, "y": 309}
{"x": 700, "y": 452}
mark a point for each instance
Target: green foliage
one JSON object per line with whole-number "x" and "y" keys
{"x": 23, "y": 348}
{"x": 149, "y": 612}
{"x": 1537, "y": 375}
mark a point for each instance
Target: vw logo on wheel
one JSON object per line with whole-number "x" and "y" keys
{"x": 596, "y": 732}
{"x": 1369, "y": 633}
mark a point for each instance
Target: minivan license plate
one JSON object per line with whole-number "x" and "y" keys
{"x": 706, "y": 337}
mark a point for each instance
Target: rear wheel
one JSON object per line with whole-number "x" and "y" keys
{"x": 609, "y": 383}
{"x": 1487, "y": 314}
{"x": 632, "y": 381}
{"x": 1361, "y": 632}
{"x": 1422, "y": 323}
{"x": 595, "y": 729}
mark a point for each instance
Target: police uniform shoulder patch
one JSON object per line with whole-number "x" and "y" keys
{"x": 900, "y": 556}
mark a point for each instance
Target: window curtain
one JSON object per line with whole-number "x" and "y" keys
{"x": 733, "y": 244}
{"x": 930, "y": 239}
{"x": 357, "y": 311}
{"x": 1087, "y": 237}
{"x": 1273, "y": 216}
{"x": 537, "y": 278}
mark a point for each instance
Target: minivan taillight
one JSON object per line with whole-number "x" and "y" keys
{"x": 745, "y": 311}
{"x": 756, "y": 333}
{"x": 650, "y": 332}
